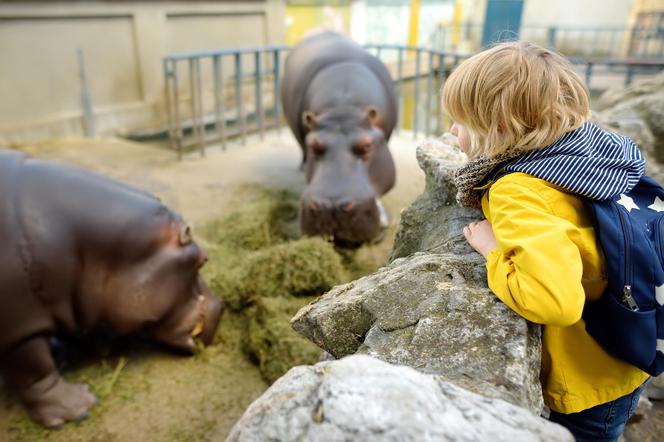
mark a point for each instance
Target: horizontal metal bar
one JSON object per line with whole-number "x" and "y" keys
{"x": 618, "y": 61}
{"x": 266, "y": 49}
{"x": 221, "y": 52}
{"x": 415, "y": 48}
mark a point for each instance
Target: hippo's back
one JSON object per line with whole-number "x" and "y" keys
{"x": 321, "y": 51}
{"x": 50, "y": 213}
{"x": 21, "y": 315}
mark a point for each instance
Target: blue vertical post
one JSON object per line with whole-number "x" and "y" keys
{"x": 502, "y": 21}
{"x": 551, "y": 37}
{"x": 589, "y": 73}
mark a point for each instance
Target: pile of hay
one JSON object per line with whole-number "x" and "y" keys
{"x": 266, "y": 274}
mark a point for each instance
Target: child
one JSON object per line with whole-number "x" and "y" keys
{"x": 523, "y": 109}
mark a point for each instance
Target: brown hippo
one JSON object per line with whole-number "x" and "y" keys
{"x": 340, "y": 104}
{"x": 79, "y": 252}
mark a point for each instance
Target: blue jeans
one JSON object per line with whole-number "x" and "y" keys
{"x": 604, "y": 422}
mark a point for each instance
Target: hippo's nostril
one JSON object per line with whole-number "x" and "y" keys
{"x": 347, "y": 206}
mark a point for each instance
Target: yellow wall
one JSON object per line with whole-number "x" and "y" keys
{"x": 301, "y": 20}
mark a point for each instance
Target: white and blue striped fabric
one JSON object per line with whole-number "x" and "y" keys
{"x": 588, "y": 161}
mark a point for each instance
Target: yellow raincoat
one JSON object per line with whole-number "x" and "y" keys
{"x": 546, "y": 265}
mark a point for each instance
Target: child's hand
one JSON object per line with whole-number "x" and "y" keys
{"x": 479, "y": 235}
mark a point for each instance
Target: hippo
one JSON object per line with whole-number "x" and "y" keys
{"x": 340, "y": 104}
{"x": 82, "y": 252}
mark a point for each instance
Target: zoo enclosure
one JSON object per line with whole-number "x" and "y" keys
{"x": 212, "y": 96}
{"x": 644, "y": 40}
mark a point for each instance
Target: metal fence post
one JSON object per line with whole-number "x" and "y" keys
{"x": 417, "y": 91}
{"x": 427, "y": 115}
{"x": 219, "y": 105}
{"x": 399, "y": 88}
{"x": 168, "y": 101}
{"x": 176, "y": 110}
{"x": 259, "y": 93}
{"x": 630, "y": 74}
{"x": 441, "y": 82}
{"x": 192, "y": 95}
{"x": 238, "y": 96}
{"x": 551, "y": 37}
{"x": 198, "y": 125}
{"x": 86, "y": 103}
{"x": 589, "y": 73}
{"x": 277, "y": 73}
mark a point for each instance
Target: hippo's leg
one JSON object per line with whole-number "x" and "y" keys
{"x": 31, "y": 371}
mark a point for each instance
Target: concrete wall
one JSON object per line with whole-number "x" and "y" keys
{"x": 123, "y": 43}
{"x": 570, "y": 16}
{"x": 585, "y": 13}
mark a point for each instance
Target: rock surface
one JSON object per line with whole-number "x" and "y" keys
{"x": 433, "y": 311}
{"x": 434, "y": 222}
{"x": 364, "y": 399}
{"x": 638, "y": 112}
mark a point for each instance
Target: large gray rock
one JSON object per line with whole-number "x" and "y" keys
{"x": 650, "y": 110}
{"x": 362, "y": 399}
{"x": 433, "y": 311}
{"x": 638, "y": 112}
{"x": 620, "y": 94}
{"x": 434, "y": 222}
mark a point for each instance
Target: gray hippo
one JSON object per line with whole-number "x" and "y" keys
{"x": 339, "y": 102}
{"x": 81, "y": 251}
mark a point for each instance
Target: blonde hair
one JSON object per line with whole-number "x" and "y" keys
{"x": 515, "y": 95}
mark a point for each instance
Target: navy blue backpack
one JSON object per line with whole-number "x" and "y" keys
{"x": 628, "y": 320}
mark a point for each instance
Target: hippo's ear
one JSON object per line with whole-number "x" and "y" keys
{"x": 184, "y": 235}
{"x": 309, "y": 119}
{"x": 372, "y": 115}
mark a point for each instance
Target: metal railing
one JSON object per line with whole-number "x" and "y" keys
{"x": 616, "y": 42}
{"x": 409, "y": 68}
{"x": 199, "y": 118}
{"x": 208, "y": 100}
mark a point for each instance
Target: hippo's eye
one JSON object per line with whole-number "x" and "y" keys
{"x": 363, "y": 150}
{"x": 318, "y": 148}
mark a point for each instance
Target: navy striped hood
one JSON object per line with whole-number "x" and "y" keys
{"x": 588, "y": 161}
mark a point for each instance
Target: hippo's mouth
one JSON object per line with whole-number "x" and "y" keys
{"x": 362, "y": 223}
{"x": 207, "y": 319}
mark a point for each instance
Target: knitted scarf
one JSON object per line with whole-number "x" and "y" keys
{"x": 472, "y": 173}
